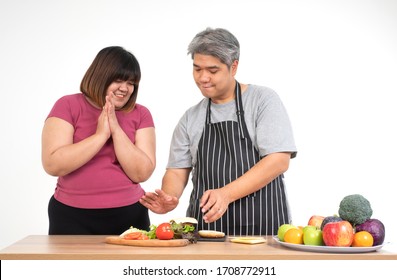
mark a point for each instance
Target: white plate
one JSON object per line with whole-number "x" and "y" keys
{"x": 328, "y": 249}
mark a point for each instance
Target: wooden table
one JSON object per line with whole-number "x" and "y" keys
{"x": 93, "y": 247}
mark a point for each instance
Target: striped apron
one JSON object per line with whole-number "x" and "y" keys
{"x": 225, "y": 152}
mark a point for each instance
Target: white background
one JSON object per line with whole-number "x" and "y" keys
{"x": 332, "y": 62}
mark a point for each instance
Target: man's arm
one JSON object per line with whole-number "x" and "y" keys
{"x": 167, "y": 199}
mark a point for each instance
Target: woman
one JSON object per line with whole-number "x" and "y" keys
{"x": 101, "y": 145}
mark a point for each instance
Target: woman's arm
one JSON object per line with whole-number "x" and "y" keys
{"x": 60, "y": 155}
{"x": 137, "y": 160}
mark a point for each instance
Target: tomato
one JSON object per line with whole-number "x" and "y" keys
{"x": 143, "y": 237}
{"x": 133, "y": 235}
{"x": 136, "y": 236}
{"x": 164, "y": 231}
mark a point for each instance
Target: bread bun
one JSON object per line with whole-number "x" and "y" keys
{"x": 185, "y": 220}
{"x": 211, "y": 234}
{"x": 130, "y": 230}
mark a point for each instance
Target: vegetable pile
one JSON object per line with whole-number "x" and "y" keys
{"x": 357, "y": 210}
{"x": 353, "y": 227}
{"x": 165, "y": 231}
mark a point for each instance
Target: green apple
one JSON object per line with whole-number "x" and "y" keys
{"x": 282, "y": 230}
{"x": 312, "y": 236}
{"x": 305, "y": 228}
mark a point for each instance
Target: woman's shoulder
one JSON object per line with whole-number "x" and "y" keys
{"x": 141, "y": 109}
{"x": 71, "y": 98}
{"x": 68, "y": 107}
{"x": 142, "y": 113}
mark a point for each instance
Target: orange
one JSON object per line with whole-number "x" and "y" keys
{"x": 301, "y": 227}
{"x": 294, "y": 236}
{"x": 362, "y": 239}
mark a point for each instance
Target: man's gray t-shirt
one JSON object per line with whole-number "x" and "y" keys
{"x": 267, "y": 122}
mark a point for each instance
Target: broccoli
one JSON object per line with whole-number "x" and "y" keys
{"x": 355, "y": 209}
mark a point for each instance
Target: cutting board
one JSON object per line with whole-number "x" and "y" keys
{"x": 116, "y": 240}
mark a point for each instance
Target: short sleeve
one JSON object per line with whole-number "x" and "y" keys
{"x": 63, "y": 109}
{"x": 180, "y": 155}
{"x": 273, "y": 127}
{"x": 146, "y": 118}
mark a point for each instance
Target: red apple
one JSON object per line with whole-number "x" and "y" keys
{"x": 316, "y": 221}
{"x": 338, "y": 234}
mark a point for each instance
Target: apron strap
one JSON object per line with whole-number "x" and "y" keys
{"x": 208, "y": 118}
{"x": 240, "y": 112}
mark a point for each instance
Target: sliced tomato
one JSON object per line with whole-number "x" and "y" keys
{"x": 133, "y": 235}
{"x": 143, "y": 237}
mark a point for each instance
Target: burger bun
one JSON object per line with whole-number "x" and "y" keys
{"x": 185, "y": 220}
{"x": 211, "y": 234}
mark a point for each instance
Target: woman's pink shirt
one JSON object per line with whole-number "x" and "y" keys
{"x": 101, "y": 182}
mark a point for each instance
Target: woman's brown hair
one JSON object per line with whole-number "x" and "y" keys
{"x": 111, "y": 64}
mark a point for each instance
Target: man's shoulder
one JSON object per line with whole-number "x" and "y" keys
{"x": 259, "y": 89}
{"x": 198, "y": 107}
{"x": 194, "y": 114}
{"x": 260, "y": 93}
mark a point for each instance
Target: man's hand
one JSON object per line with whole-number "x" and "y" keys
{"x": 214, "y": 204}
{"x": 159, "y": 202}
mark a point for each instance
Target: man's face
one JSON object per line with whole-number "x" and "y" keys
{"x": 214, "y": 78}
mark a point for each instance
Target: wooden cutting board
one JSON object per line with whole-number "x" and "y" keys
{"x": 116, "y": 240}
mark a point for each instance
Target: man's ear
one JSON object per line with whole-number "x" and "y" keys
{"x": 234, "y": 67}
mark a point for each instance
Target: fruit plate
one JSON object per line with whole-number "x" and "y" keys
{"x": 328, "y": 249}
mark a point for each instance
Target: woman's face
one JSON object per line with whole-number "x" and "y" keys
{"x": 120, "y": 92}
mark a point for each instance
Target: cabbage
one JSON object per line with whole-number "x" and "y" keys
{"x": 375, "y": 228}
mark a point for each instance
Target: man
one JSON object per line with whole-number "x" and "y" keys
{"x": 237, "y": 142}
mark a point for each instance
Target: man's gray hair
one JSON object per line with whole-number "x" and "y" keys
{"x": 216, "y": 42}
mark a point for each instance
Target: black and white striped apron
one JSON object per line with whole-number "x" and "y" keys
{"x": 225, "y": 152}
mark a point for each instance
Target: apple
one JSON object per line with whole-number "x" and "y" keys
{"x": 305, "y": 228}
{"x": 282, "y": 230}
{"x": 329, "y": 219}
{"x": 338, "y": 234}
{"x": 316, "y": 221}
{"x": 312, "y": 236}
